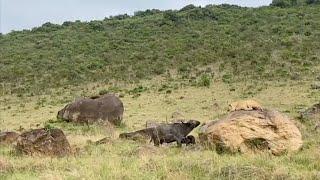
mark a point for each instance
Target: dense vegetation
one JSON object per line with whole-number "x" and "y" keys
{"x": 235, "y": 43}
{"x": 290, "y": 3}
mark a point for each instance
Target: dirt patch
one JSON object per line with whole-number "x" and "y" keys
{"x": 8, "y": 138}
{"x": 4, "y": 166}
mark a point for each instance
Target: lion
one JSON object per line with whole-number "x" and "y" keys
{"x": 246, "y": 105}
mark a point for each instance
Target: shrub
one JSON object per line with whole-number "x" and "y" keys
{"x": 226, "y": 78}
{"x": 171, "y": 16}
{"x": 187, "y": 7}
{"x": 138, "y": 90}
{"x": 146, "y": 12}
{"x": 313, "y": 1}
{"x": 284, "y": 3}
{"x": 96, "y": 25}
{"x": 120, "y": 17}
{"x": 67, "y": 23}
{"x": 204, "y": 81}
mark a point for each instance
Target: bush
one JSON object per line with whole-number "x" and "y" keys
{"x": 147, "y": 12}
{"x": 96, "y": 25}
{"x": 171, "y": 16}
{"x": 201, "y": 14}
{"x": 313, "y": 1}
{"x": 226, "y": 78}
{"x": 47, "y": 27}
{"x": 284, "y": 3}
{"x": 120, "y": 17}
{"x": 187, "y": 7}
{"x": 137, "y": 90}
{"x": 204, "y": 81}
{"x": 67, "y": 23}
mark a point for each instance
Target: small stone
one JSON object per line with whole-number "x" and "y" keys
{"x": 315, "y": 85}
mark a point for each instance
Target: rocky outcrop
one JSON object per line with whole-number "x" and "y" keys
{"x": 50, "y": 142}
{"x": 252, "y": 131}
{"x": 106, "y": 108}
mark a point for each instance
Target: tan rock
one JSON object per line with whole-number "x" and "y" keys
{"x": 252, "y": 131}
{"x": 246, "y": 105}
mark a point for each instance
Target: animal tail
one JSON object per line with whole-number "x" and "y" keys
{"x": 142, "y": 132}
{"x": 125, "y": 135}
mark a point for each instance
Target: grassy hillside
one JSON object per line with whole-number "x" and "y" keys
{"x": 234, "y": 43}
{"x": 194, "y": 61}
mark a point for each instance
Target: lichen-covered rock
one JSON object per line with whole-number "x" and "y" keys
{"x": 106, "y": 108}
{"x": 50, "y": 142}
{"x": 246, "y": 105}
{"x": 8, "y": 138}
{"x": 252, "y": 131}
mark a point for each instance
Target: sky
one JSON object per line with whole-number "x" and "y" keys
{"x": 26, "y": 14}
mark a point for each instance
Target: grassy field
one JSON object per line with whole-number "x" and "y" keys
{"x": 120, "y": 159}
{"x": 194, "y": 61}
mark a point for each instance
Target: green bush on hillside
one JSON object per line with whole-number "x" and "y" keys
{"x": 204, "y": 81}
{"x": 313, "y": 1}
{"x": 284, "y": 3}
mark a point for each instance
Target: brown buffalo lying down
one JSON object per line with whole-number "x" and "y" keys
{"x": 96, "y": 109}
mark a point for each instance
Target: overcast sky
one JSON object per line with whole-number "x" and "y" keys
{"x": 26, "y": 14}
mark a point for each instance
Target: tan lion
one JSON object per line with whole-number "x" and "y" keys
{"x": 246, "y": 105}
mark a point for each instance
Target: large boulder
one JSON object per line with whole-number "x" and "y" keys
{"x": 252, "y": 131}
{"x": 43, "y": 141}
{"x": 8, "y": 138}
{"x": 106, "y": 108}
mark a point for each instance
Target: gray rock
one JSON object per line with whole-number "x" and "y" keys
{"x": 315, "y": 85}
